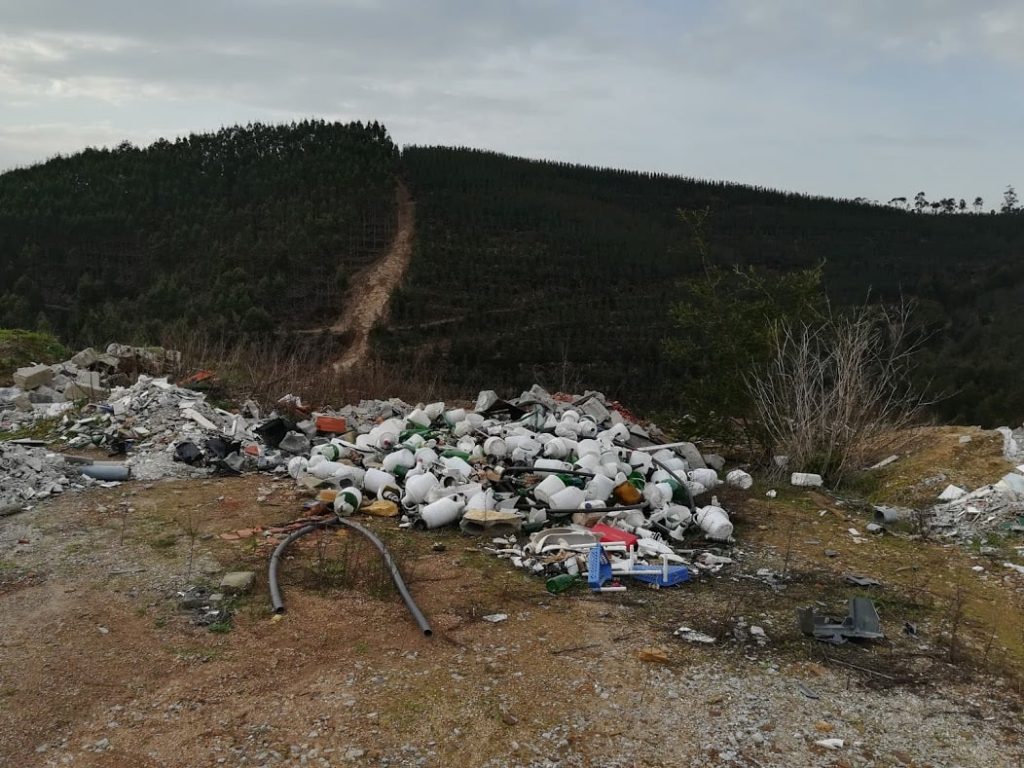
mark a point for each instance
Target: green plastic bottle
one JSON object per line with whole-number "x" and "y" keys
{"x": 561, "y": 583}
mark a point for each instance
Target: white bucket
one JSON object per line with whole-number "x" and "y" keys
{"x": 600, "y": 488}
{"x": 739, "y": 479}
{"x": 496, "y": 447}
{"x": 569, "y": 497}
{"x": 547, "y": 487}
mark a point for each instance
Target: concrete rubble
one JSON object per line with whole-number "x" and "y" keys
{"x": 47, "y": 391}
{"x": 997, "y": 507}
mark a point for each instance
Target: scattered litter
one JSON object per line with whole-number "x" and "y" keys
{"x": 807, "y": 691}
{"x": 495, "y": 618}
{"x": 885, "y": 462}
{"x": 830, "y": 743}
{"x": 861, "y": 623}
{"x": 861, "y": 581}
{"x": 805, "y": 480}
{"x": 653, "y": 655}
{"x": 771, "y": 494}
{"x": 693, "y": 636}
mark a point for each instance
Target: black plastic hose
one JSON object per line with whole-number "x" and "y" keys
{"x": 275, "y": 591}
{"x": 528, "y": 470}
{"x": 414, "y": 609}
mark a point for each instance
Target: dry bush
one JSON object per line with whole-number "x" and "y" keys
{"x": 265, "y": 369}
{"x": 836, "y": 389}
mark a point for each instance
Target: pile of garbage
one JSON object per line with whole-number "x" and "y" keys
{"x": 595, "y": 494}
{"x": 998, "y": 507}
{"x": 47, "y": 391}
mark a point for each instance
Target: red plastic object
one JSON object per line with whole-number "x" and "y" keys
{"x": 330, "y": 424}
{"x": 608, "y": 533}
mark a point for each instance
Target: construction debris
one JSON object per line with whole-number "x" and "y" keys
{"x": 861, "y": 623}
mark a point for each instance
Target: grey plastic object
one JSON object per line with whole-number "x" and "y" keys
{"x": 109, "y": 472}
{"x": 861, "y": 623}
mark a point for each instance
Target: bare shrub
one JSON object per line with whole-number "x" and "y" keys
{"x": 835, "y": 389}
{"x": 267, "y": 368}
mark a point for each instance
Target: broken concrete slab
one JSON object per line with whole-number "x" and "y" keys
{"x": 33, "y": 376}
{"x": 237, "y": 582}
{"x": 85, "y": 358}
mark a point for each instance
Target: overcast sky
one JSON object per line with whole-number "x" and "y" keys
{"x": 858, "y": 97}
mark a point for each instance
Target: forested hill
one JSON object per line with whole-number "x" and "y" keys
{"x": 563, "y": 273}
{"x": 522, "y": 270}
{"x": 250, "y": 229}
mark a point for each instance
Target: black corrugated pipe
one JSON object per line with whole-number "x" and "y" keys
{"x": 275, "y": 590}
{"x": 414, "y": 609}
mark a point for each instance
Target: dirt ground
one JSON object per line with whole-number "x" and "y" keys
{"x": 100, "y": 666}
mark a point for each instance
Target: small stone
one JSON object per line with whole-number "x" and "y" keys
{"x": 237, "y": 582}
{"x": 354, "y": 753}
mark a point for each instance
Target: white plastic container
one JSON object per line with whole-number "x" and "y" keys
{"x": 714, "y": 522}
{"x": 600, "y": 488}
{"x": 739, "y": 479}
{"x": 443, "y": 511}
{"x": 297, "y": 466}
{"x": 805, "y": 480}
{"x": 496, "y": 447}
{"x": 569, "y": 497}
{"x": 396, "y": 459}
{"x": 375, "y": 479}
{"x": 417, "y": 487}
{"x": 706, "y": 477}
{"x": 418, "y": 418}
{"x": 547, "y": 487}
{"x": 555, "y": 464}
{"x": 347, "y": 501}
{"x": 457, "y": 468}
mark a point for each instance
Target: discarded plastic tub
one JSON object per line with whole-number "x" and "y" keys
{"x": 570, "y": 497}
{"x": 107, "y": 472}
{"x": 375, "y": 479}
{"x": 714, "y": 522}
{"x": 739, "y": 479}
{"x": 706, "y": 477}
{"x": 443, "y": 511}
{"x": 547, "y": 488}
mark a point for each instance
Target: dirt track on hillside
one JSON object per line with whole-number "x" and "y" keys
{"x": 366, "y": 302}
